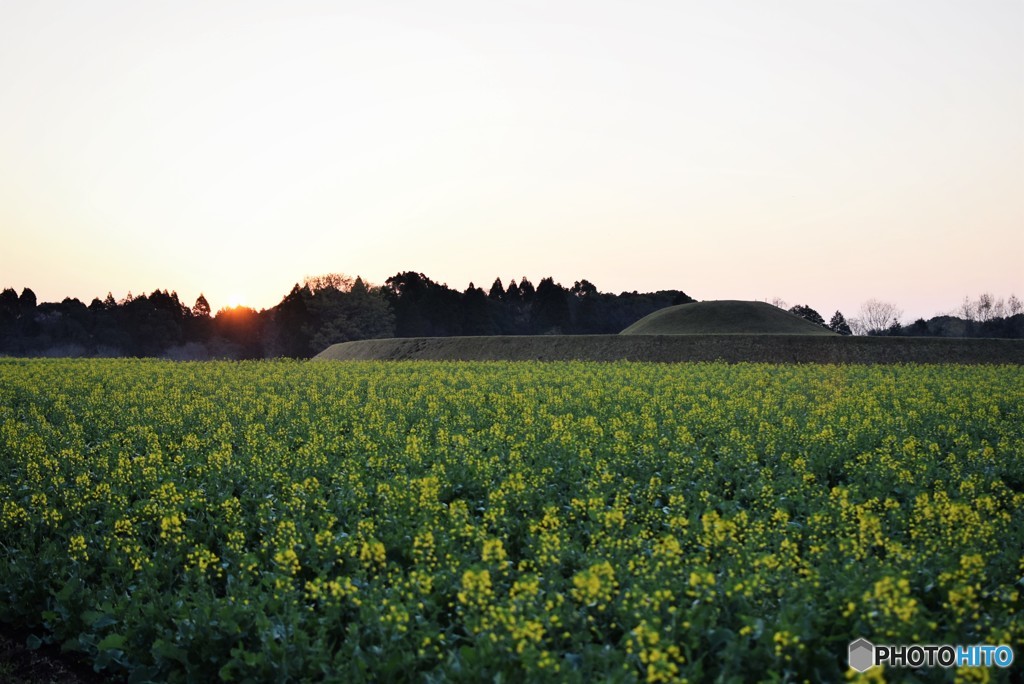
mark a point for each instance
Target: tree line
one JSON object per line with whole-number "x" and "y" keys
{"x": 327, "y": 309}
{"x": 321, "y": 311}
{"x": 986, "y": 316}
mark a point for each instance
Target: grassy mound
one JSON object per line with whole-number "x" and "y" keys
{"x": 724, "y": 317}
{"x": 675, "y": 348}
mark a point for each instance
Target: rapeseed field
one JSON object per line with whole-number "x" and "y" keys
{"x": 287, "y": 521}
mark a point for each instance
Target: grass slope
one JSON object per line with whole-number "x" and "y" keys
{"x": 783, "y": 348}
{"x": 724, "y": 317}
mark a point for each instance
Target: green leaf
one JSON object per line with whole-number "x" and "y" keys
{"x": 104, "y": 620}
{"x": 469, "y": 655}
{"x": 144, "y": 675}
{"x": 111, "y": 641}
{"x": 168, "y": 651}
{"x": 73, "y": 644}
{"x": 33, "y": 642}
{"x": 67, "y": 591}
{"x": 720, "y": 638}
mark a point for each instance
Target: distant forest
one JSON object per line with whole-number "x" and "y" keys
{"x": 333, "y": 308}
{"x": 323, "y": 310}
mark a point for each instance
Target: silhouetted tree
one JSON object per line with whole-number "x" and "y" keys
{"x": 153, "y": 322}
{"x": 359, "y": 314}
{"x": 337, "y": 281}
{"x": 584, "y": 307}
{"x": 9, "y": 305}
{"x": 60, "y": 329}
{"x": 239, "y": 331}
{"x": 839, "y": 325}
{"x": 497, "y": 292}
{"x": 583, "y": 288}
{"x": 201, "y": 309}
{"x": 476, "y": 312}
{"x": 808, "y": 314}
{"x": 27, "y": 301}
{"x": 918, "y": 328}
{"x": 407, "y": 293}
{"x": 10, "y": 335}
{"x": 551, "y": 308}
{"x": 516, "y": 313}
{"x": 423, "y": 307}
{"x": 681, "y": 298}
{"x": 291, "y": 325}
{"x": 526, "y": 290}
{"x": 110, "y": 331}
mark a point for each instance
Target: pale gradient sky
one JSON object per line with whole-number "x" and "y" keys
{"x": 823, "y": 151}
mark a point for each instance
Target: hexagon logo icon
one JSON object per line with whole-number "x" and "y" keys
{"x": 862, "y": 655}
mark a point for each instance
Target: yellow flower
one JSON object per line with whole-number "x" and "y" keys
{"x": 494, "y": 551}
{"x": 288, "y": 561}
{"x": 595, "y": 585}
{"x": 372, "y": 553}
{"x": 77, "y": 548}
{"x": 476, "y": 587}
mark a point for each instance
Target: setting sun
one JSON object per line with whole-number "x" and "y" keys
{"x": 235, "y": 300}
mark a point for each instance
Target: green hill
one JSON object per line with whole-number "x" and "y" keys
{"x": 675, "y": 348}
{"x": 724, "y": 317}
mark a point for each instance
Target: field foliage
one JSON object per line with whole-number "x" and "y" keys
{"x": 507, "y": 521}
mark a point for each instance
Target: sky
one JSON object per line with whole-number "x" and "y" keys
{"x": 821, "y": 152}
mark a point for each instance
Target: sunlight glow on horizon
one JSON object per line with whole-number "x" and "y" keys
{"x": 824, "y": 153}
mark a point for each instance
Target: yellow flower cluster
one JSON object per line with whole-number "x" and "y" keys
{"x": 476, "y": 588}
{"x": 661, "y": 661}
{"x": 204, "y": 560}
{"x": 77, "y": 548}
{"x": 595, "y": 586}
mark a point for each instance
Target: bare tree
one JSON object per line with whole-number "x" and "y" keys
{"x": 335, "y": 281}
{"x": 967, "y": 310}
{"x": 1014, "y": 305}
{"x": 875, "y": 316}
{"x": 780, "y": 303}
{"x": 999, "y": 308}
{"x": 984, "y": 306}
